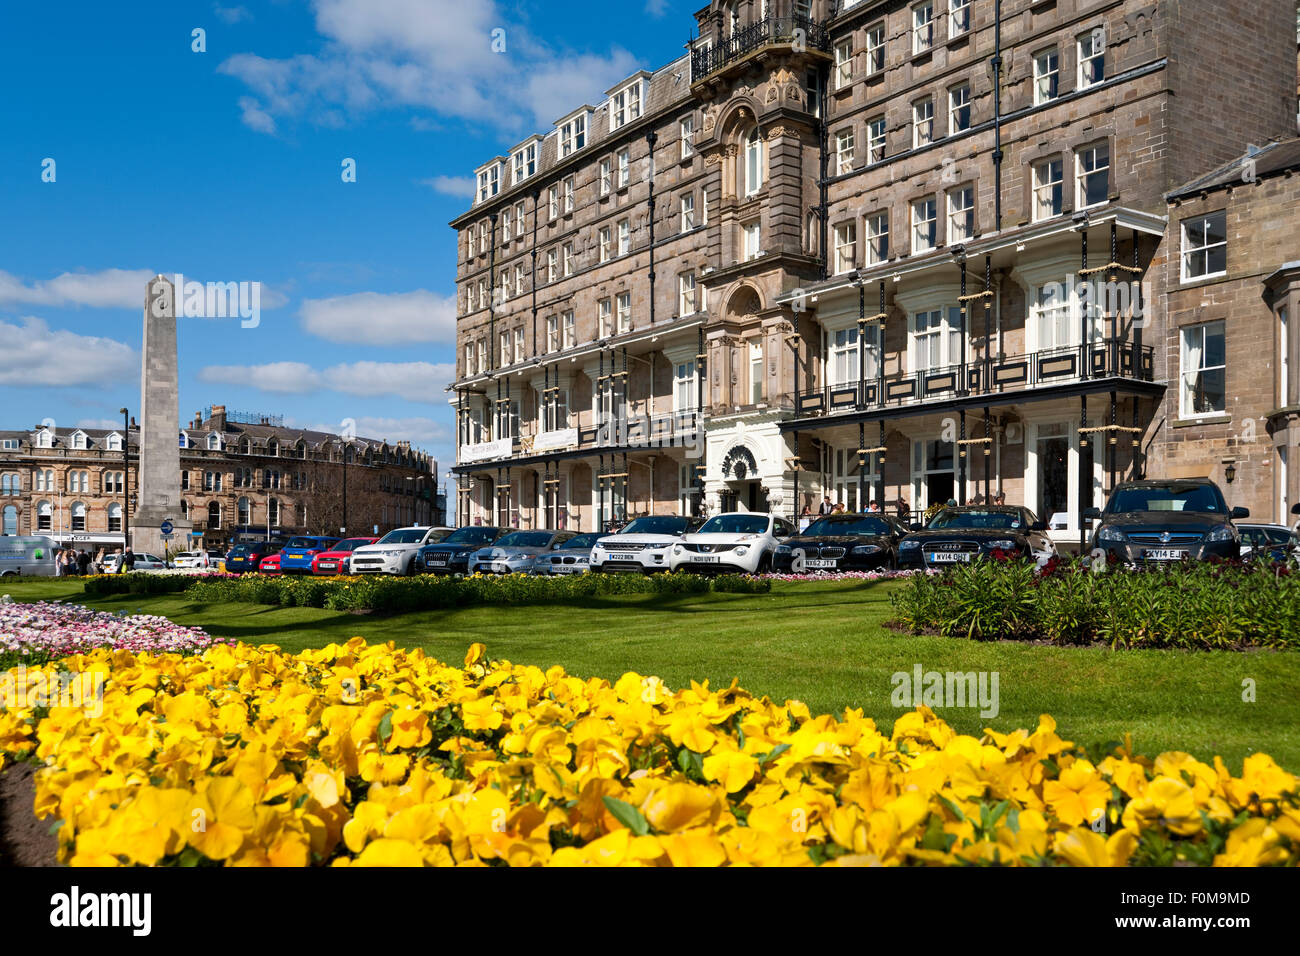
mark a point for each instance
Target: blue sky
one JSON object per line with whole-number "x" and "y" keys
{"x": 225, "y": 166}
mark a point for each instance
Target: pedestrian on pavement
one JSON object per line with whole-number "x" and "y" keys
{"x": 83, "y": 562}
{"x": 128, "y": 561}
{"x": 826, "y": 507}
{"x": 904, "y": 512}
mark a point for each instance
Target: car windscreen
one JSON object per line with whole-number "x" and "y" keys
{"x": 735, "y": 524}
{"x": 525, "y": 539}
{"x": 404, "y": 536}
{"x": 1173, "y": 497}
{"x": 848, "y": 525}
{"x": 657, "y": 524}
{"x": 977, "y": 520}
{"x": 471, "y": 535}
{"x": 351, "y": 544}
{"x": 583, "y": 542}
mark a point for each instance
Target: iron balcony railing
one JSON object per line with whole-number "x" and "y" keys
{"x": 1105, "y": 358}
{"x": 770, "y": 31}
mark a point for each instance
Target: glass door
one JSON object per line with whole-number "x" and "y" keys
{"x": 934, "y": 473}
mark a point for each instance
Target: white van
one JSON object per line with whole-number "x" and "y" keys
{"x": 27, "y": 555}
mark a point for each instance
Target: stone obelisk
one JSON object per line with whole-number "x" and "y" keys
{"x": 160, "y": 457}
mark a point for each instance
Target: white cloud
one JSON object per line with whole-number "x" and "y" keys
{"x": 656, "y": 8}
{"x": 106, "y": 289}
{"x": 231, "y": 15}
{"x": 439, "y": 55}
{"x": 462, "y": 187}
{"x": 34, "y": 354}
{"x": 108, "y": 424}
{"x": 374, "y": 318}
{"x": 420, "y": 432}
{"x": 414, "y": 381}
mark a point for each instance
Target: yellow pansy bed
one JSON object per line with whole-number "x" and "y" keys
{"x": 369, "y": 755}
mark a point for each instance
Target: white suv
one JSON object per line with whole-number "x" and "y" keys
{"x": 738, "y": 542}
{"x": 644, "y": 545}
{"x": 395, "y": 552}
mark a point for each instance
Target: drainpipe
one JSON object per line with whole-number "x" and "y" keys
{"x": 651, "y": 138}
{"x": 997, "y": 116}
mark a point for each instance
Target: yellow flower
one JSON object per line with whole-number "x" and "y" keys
{"x": 480, "y": 714}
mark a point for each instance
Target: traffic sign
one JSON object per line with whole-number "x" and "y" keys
{"x": 166, "y": 528}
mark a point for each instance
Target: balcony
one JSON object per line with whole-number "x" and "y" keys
{"x": 1107, "y": 358}
{"x": 770, "y": 31}
{"x": 673, "y": 430}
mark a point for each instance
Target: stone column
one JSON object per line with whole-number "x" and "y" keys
{"x": 159, "y": 467}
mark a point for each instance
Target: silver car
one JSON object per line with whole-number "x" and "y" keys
{"x": 516, "y": 552}
{"x": 570, "y": 557}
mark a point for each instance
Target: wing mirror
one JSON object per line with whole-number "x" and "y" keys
{"x": 1038, "y": 526}
{"x": 1092, "y": 514}
{"x": 1238, "y": 513}
{"x": 1295, "y": 508}
{"x": 916, "y": 526}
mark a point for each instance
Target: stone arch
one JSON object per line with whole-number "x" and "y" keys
{"x": 744, "y": 300}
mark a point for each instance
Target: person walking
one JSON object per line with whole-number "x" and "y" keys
{"x": 128, "y": 561}
{"x": 98, "y": 564}
{"x": 83, "y": 563}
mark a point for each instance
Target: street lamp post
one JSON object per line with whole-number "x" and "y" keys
{"x": 126, "y": 479}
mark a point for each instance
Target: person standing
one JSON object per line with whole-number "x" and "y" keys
{"x": 826, "y": 506}
{"x": 99, "y": 561}
{"x": 128, "y": 561}
{"x": 875, "y": 508}
{"x": 904, "y": 512}
{"x": 83, "y": 562}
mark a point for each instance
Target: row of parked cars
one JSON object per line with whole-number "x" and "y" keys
{"x": 1144, "y": 521}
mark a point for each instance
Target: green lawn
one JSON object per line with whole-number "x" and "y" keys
{"x": 819, "y": 643}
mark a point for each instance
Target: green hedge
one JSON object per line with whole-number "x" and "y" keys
{"x": 429, "y": 592}
{"x": 136, "y": 582}
{"x": 1188, "y": 605}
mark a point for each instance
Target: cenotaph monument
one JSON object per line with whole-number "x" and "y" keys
{"x": 159, "y": 476}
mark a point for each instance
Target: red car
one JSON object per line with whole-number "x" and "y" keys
{"x": 335, "y": 560}
{"x": 270, "y": 564}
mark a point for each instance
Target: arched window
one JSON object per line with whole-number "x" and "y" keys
{"x": 45, "y": 439}
{"x": 273, "y": 448}
{"x": 214, "y": 515}
{"x": 115, "y": 516}
{"x": 273, "y": 511}
{"x": 10, "y": 522}
{"x": 214, "y": 441}
{"x": 755, "y": 168}
{"x": 8, "y": 484}
{"x": 245, "y": 512}
{"x": 78, "y": 516}
{"x": 44, "y": 516}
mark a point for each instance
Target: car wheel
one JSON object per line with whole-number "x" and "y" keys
{"x": 764, "y": 564}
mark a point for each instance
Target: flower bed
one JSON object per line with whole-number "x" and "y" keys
{"x": 37, "y": 633}
{"x": 430, "y": 592}
{"x": 368, "y": 755}
{"x": 843, "y": 575}
{"x": 1187, "y": 605}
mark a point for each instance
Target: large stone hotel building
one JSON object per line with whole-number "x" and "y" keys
{"x": 886, "y": 249}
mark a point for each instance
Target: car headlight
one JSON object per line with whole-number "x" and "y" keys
{"x": 742, "y": 550}
{"x": 677, "y": 549}
{"x": 866, "y": 549}
{"x": 1222, "y": 533}
{"x": 782, "y": 549}
{"x": 1003, "y": 544}
{"x": 1111, "y": 534}
{"x": 909, "y": 545}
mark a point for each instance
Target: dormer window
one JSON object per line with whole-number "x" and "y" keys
{"x": 625, "y": 106}
{"x": 113, "y": 442}
{"x": 184, "y": 440}
{"x": 214, "y": 442}
{"x": 79, "y": 441}
{"x": 573, "y": 135}
{"x": 525, "y": 163}
{"x": 489, "y": 182}
{"x": 45, "y": 439}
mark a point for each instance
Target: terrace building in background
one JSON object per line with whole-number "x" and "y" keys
{"x": 879, "y": 250}
{"x": 241, "y": 476}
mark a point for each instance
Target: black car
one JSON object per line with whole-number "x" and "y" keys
{"x": 841, "y": 542}
{"x": 1167, "y": 521}
{"x": 245, "y": 558}
{"x": 451, "y": 554}
{"x": 967, "y": 533}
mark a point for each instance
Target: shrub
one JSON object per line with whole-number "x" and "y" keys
{"x": 394, "y": 595}
{"x": 138, "y": 582}
{"x": 1188, "y": 605}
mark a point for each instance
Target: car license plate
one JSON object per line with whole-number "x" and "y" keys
{"x": 705, "y": 558}
{"x": 622, "y": 557}
{"x": 438, "y": 561}
{"x": 328, "y": 564}
{"x": 947, "y": 557}
{"x": 502, "y": 568}
{"x": 820, "y": 563}
{"x": 1165, "y": 554}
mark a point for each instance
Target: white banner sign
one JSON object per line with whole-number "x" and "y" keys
{"x": 562, "y": 438}
{"x": 501, "y": 448}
